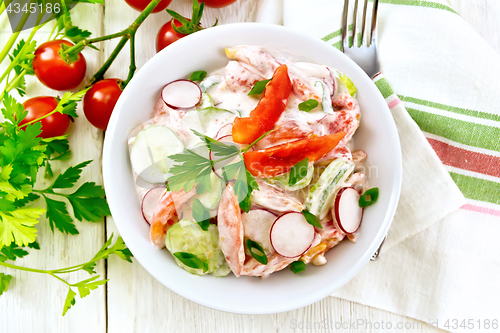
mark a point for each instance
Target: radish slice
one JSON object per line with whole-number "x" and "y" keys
{"x": 150, "y": 201}
{"x": 257, "y": 225}
{"x": 224, "y": 131}
{"x": 347, "y": 211}
{"x": 291, "y": 235}
{"x": 181, "y": 94}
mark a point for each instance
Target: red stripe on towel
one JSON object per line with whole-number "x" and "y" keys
{"x": 466, "y": 159}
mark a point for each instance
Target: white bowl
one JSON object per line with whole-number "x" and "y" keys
{"x": 282, "y": 291}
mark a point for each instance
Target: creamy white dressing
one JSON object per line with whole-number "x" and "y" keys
{"x": 227, "y": 88}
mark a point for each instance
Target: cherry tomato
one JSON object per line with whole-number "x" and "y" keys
{"x": 217, "y": 3}
{"x": 279, "y": 159}
{"x": 54, "y": 125}
{"x": 53, "y": 71}
{"x": 141, "y": 4}
{"x": 167, "y": 35}
{"x": 268, "y": 111}
{"x": 100, "y": 100}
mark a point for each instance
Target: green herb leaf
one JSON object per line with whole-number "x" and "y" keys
{"x": 58, "y": 217}
{"x": 69, "y": 302}
{"x": 200, "y": 214}
{"x": 257, "y": 251}
{"x": 67, "y": 104}
{"x": 297, "y": 266}
{"x": 11, "y": 252}
{"x": 12, "y": 111}
{"x": 192, "y": 261}
{"x": 76, "y": 34}
{"x": 369, "y": 197}
{"x": 85, "y": 286}
{"x": 69, "y": 177}
{"x": 89, "y": 203}
{"x": 218, "y": 148}
{"x": 34, "y": 246}
{"x": 198, "y": 76}
{"x": 190, "y": 167}
{"x": 19, "y": 226}
{"x": 308, "y": 105}
{"x": 119, "y": 249}
{"x": 311, "y": 219}
{"x": 4, "y": 282}
{"x": 258, "y": 87}
{"x": 298, "y": 172}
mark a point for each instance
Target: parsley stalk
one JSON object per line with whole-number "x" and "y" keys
{"x": 85, "y": 286}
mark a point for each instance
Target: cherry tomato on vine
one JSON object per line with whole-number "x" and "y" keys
{"x": 53, "y": 71}
{"x": 141, "y": 4}
{"x": 54, "y": 125}
{"x": 167, "y": 35}
{"x": 217, "y": 3}
{"x": 100, "y": 100}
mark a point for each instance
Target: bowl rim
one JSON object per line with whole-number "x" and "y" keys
{"x": 107, "y": 166}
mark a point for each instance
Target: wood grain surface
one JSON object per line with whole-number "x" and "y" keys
{"x": 133, "y": 301}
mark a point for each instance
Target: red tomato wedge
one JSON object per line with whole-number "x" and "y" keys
{"x": 268, "y": 111}
{"x": 276, "y": 160}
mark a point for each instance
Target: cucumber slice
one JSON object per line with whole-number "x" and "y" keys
{"x": 206, "y": 101}
{"x": 282, "y": 180}
{"x": 188, "y": 236}
{"x": 209, "y": 82}
{"x": 326, "y": 100}
{"x": 321, "y": 195}
{"x": 222, "y": 271}
{"x": 348, "y": 83}
{"x": 208, "y": 120}
{"x": 150, "y": 151}
{"x": 211, "y": 198}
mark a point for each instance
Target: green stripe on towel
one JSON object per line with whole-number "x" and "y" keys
{"x": 384, "y": 87}
{"x": 477, "y": 189}
{"x": 454, "y": 109}
{"x": 471, "y": 134}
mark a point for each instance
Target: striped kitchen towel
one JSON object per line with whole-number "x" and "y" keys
{"x": 447, "y": 78}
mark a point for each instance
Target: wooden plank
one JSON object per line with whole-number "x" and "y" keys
{"x": 34, "y": 302}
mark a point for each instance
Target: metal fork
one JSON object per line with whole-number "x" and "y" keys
{"x": 365, "y": 55}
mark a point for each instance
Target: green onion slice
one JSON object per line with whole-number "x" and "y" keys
{"x": 198, "y": 76}
{"x": 297, "y": 266}
{"x": 311, "y": 219}
{"x": 257, "y": 251}
{"x": 258, "y": 87}
{"x": 369, "y": 197}
{"x": 192, "y": 261}
{"x": 308, "y": 105}
{"x": 298, "y": 172}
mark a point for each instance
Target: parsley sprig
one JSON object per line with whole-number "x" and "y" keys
{"x": 83, "y": 287}
{"x": 22, "y": 154}
{"x": 192, "y": 170}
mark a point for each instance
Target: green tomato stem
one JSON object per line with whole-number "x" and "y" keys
{"x": 99, "y": 75}
{"x": 132, "y": 66}
{"x": 78, "y": 47}
{"x": 126, "y": 35}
